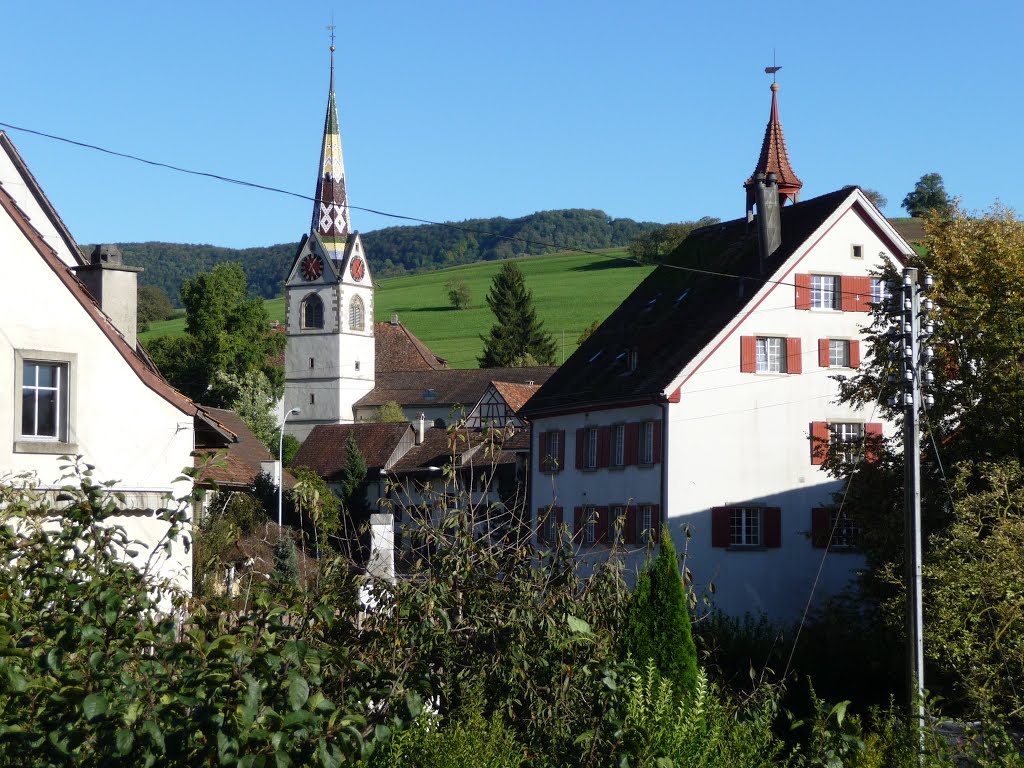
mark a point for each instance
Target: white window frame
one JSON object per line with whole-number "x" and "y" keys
{"x": 645, "y": 513}
{"x": 589, "y": 537}
{"x": 844, "y": 533}
{"x": 618, "y": 445}
{"x": 647, "y": 442}
{"x": 846, "y": 439}
{"x": 551, "y": 451}
{"x": 771, "y": 354}
{"x": 746, "y": 526}
{"x": 878, "y": 290}
{"x": 839, "y": 353}
{"x": 311, "y": 300}
{"x": 590, "y": 448}
{"x": 549, "y": 527}
{"x": 825, "y": 292}
{"x": 617, "y": 521}
{"x": 64, "y": 441}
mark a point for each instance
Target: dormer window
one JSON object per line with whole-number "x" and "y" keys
{"x": 312, "y": 312}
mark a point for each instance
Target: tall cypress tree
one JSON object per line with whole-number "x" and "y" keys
{"x": 518, "y": 335}
{"x": 657, "y": 626}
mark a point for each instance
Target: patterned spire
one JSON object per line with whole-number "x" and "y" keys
{"x": 775, "y": 159}
{"x": 330, "y": 211}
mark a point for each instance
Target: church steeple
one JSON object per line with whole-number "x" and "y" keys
{"x": 330, "y": 211}
{"x": 774, "y": 159}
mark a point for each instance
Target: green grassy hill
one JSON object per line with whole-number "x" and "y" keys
{"x": 570, "y": 292}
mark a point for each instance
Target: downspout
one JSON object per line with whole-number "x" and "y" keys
{"x": 664, "y": 466}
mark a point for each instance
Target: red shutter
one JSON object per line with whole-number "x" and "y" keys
{"x": 854, "y": 354}
{"x": 794, "y": 356}
{"x": 543, "y": 461}
{"x": 656, "y": 453}
{"x": 720, "y": 527}
{"x": 872, "y": 441}
{"x": 629, "y": 525}
{"x": 632, "y": 438}
{"x": 655, "y": 522}
{"x": 819, "y": 527}
{"x": 772, "y": 518}
{"x": 603, "y": 442}
{"x": 856, "y": 292}
{"x": 577, "y": 523}
{"x": 803, "y": 291}
{"x": 748, "y": 354}
{"x": 579, "y": 448}
{"x": 819, "y": 441}
{"x": 823, "y": 355}
{"x": 601, "y": 526}
{"x": 540, "y": 523}
{"x": 561, "y": 451}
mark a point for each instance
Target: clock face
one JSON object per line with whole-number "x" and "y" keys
{"x": 312, "y": 267}
{"x": 358, "y": 268}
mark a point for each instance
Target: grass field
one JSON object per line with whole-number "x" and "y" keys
{"x": 570, "y": 292}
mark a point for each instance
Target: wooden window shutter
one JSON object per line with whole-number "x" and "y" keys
{"x": 603, "y": 443}
{"x": 872, "y": 440}
{"x": 823, "y": 354}
{"x": 561, "y": 450}
{"x": 577, "y": 522}
{"x": 803, "y": 291}
{"x": 656, "y": 452}
{"x": 541, "y": 513}
{"x": 632, "y": 443}
{"x": 794, "y": 356}
{"x": 559, "y": 517}
{"x": 854, "y": 353}
{"x": 772, "y": 517}
{"x": 819, "y": 527}
{"x": 819, "y": 441}
{"x": 579, "y": 448}
{"x": 748, "y": 354}
{"x": 856, "y": 293}
{"x": 629, "y": 526}
{"x": 543, "y": 460}
{"x": 601, "y": 526}
{"x": 720, "y": 527}
{"x": 655, "y": 522}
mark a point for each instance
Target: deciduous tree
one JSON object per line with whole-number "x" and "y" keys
{"x": 928, "y": 194}
{"x": 459, "y": 294}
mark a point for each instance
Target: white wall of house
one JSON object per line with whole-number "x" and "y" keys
{"x": 131, "y": 434}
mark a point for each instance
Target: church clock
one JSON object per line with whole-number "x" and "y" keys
{"x": 312, "y": 267}
{"x": 358, "y": 268}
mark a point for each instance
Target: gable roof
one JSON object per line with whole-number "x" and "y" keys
{"x": 447, "y": 386}
{"x": 323, "y": 450}
{"x": 244, "y": 453}
{"x": 149, "y": 375}
{"x": 515, "y": 395}
{"x": 397, "y": 349}
{"x": 32, "y": 185}
{"x": 676, "y": 311}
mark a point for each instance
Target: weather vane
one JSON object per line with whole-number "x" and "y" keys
{"x": 772, "y": 69}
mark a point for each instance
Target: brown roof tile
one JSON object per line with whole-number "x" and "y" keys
{"x": 244, "y": 454}
{"x": 397, "y": 349}
{"x": 515, "y": 395}
{"x": 446, "y": 387}
{"x": 323, "y": 450}
{"x": 774, "y": 158}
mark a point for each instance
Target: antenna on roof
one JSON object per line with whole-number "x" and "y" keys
{"x": 772, "y": 69}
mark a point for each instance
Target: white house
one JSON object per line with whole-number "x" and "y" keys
{"x": 71, "y": 379}
{"x": 699, "y": 401}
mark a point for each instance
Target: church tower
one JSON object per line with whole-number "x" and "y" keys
{"x": 774, "y": 159}
{"x": 329, "y": 357}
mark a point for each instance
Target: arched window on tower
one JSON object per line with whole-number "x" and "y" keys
{"x": 312, "y": 312}
{"x": 356, "y": 314}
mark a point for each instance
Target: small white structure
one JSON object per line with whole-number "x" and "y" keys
{"x": 700, "y": 401}
{"x": 71, "y": 379}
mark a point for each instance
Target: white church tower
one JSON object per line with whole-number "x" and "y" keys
{"x": 329, "y": 357}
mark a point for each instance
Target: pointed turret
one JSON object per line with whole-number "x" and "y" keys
{"x": 330, "y": 211}
{"x": 774, "y": 159}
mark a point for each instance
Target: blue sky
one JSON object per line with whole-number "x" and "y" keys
{"x": 653, "y": 110}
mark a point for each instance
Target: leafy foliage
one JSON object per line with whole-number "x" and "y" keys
{"x": 153, "y": 304}
{"x": 390, "y": 413}
{"x": 928, "y": 194}
{"x": 652, "y": 247}
{"x": 518, "y": 332}
{"x": 459, "y": 294}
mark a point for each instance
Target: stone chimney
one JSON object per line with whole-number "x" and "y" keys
{"x": 769, "y": 217}
{"x": 115, "y": 287}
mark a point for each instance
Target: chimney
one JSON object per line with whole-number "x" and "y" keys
{"x": 421, "y": 432}
{"x": 115, "y": 287}
{"x": 769, "y": 217}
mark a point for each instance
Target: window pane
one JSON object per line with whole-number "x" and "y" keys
{"x": 28, "y": 412}
{"x": 839, "y": 352}
{"x": 46, "y": 424}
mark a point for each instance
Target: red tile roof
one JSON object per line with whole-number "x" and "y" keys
{"x": 446, "y": 387}
{"x": 324, "y": 450}
{"x": 244, "y": 454}
{"x": 397, "y": 349}
{"x": 515, "y": 395}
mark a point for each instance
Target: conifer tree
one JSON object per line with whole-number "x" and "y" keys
{"x": 657, "y": 626}
{"x": 518, "y": 333}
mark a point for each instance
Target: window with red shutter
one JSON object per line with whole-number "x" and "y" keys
{"x": 748, "y": 354}
{"x": 632, "y": 443}
{"x": 823, "y": 353}
{"x": 819, "y": 527}
{"x": 772, "y": 519}
{"x": 794, "y": 356}
{"x": 543, "y": 460}
{"x": 579, "y": 448}
{"x": 601, "y": 525}
{"x": 854, "y": 353}
{"x": 803, "y": 291}
{"x": 658, "y": 439}
{"x": 561, "y": 450}
{"x": 820, "y": 438}
{"x": 655, "y": 523}
{"x": 872, "y": 440}
{"x": 720, "y": 527}
{"x": 630, "y": 534}
{"x": 577, "y": 521}
{"x": 603, "y": 446}
{"x": 856, "y": 294}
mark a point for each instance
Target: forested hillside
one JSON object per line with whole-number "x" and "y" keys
{"x": 394, "y": 250}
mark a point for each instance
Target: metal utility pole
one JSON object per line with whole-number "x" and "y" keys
{"x": 914, "y": 355}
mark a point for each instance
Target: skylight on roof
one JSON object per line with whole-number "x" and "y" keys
{"x": 682, "y": 296}
{"x": 596, "y": 355}
{"x": 430, "y": 394}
